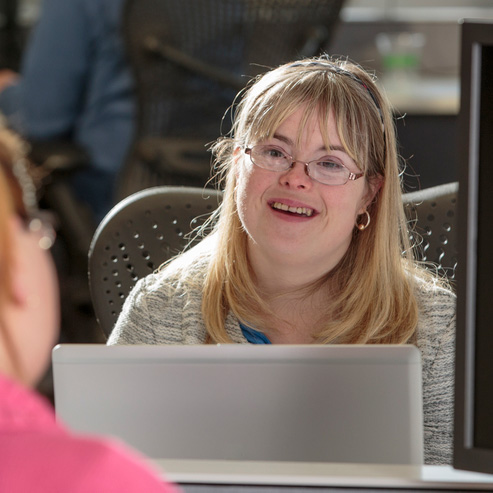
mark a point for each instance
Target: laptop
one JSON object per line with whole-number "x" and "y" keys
{"x": 313, "y": 403}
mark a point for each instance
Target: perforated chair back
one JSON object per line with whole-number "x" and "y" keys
{"x": 138, "y": 235}
{"x": 432, "y": 214}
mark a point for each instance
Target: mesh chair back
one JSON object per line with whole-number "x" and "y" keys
{"x": 432, "y": 215}
{"x": 137, "y": 236}
{"x": 190, "y": 57}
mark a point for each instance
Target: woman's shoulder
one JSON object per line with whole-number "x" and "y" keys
{"x": 75, "y": 463}
{"x": 433, "y": 293}
{"x": 35, "y": 445}
{"x": 179, "y": 274}
{"x": 436, "y": 320}
{"x": 109, "y": 465}
{"x": 165, "y": 306}
{"x": 22, "y": 409}
{"x": 189, "y": 266}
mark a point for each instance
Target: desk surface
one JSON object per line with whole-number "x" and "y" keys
{"x": 321, "y": 475}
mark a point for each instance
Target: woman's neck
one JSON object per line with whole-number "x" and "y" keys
{"x": 296, "y": 306}
{"x": 293, "y": 320}
{"x": 275, "y": 277}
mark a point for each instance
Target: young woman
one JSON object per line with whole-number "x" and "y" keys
{"x": 310, "y": 244}
{"x": 36, "y": 452}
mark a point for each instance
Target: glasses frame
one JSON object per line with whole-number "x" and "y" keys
{"x": 42, "y": 223}
{"x": 36, "y": 221}
{"x": 350, "y": 175}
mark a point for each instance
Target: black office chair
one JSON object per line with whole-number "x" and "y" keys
{"x": 432, "y": 214}
{"x": 190, "y": 58}
{"x": 54, "y": 163}
{"x": 138, "y": 235}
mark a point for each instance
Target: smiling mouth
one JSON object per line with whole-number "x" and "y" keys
{"x": 300, "y": 211}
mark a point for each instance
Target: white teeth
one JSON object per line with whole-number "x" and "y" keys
{"x": 295, "y": 210}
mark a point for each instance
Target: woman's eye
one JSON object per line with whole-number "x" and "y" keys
{"x": 330, "y": 165}
{"x": 272, "y": 152}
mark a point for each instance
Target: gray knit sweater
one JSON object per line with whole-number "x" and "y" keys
{"x": 164, "y": 308}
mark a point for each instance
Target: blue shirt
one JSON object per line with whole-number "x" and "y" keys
{"x": 75, "y": 84}
{"x": 254, "y": 336}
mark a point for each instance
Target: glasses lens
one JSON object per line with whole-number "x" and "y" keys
{"x": 42, "y": 225}
{"x": 269, "y": 157}
{"x": 328, "y": 172}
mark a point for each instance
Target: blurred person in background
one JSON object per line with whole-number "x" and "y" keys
{"x": 75, "y": 86}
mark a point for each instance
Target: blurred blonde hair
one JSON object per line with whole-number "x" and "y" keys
{"x": 12, "y": 202}
{"x": 372, "y": 290}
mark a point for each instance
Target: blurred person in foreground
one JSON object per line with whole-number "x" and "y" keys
{"x": 36, "y": 452}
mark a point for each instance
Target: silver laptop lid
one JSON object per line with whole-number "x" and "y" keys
{"x": 247, "y": 402}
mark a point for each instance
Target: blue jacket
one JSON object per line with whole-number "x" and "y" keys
{"x": 76, "y": 84}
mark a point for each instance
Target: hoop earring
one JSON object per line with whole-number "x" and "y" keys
{"x": 362, "y": 226}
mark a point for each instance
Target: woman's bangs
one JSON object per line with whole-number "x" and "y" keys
{"x": 350, "y": 125}
{"x": 270, "y": 113}
{"x": 320, "y": 92}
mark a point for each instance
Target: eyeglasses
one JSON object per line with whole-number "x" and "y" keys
{"x": 324, "y": 170}
{"x": 41, "y": 223}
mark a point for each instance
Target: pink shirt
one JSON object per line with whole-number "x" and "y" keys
{"x": 38, "y": 454}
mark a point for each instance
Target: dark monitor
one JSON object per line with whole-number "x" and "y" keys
{"x": 473, "y": 442}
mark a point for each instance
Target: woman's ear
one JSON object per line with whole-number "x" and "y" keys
{"x": 374, "y": 185}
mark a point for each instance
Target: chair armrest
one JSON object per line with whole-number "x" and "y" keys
{"x": 194, "y": 65}
{"x": 58, "y": 155}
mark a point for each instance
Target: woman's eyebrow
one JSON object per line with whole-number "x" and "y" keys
{"x": 288, "y": 141}
{"x": 284, "y": 139}
{"x": 337, "y": 148}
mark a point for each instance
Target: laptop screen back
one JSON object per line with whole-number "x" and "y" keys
{"x": 247, "y": 402}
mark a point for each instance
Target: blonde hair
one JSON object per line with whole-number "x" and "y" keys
{"x": 12, "y": 202}
{"x": 372, "y": 296}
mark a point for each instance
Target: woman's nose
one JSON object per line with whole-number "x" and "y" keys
{"x": 297, "y": 175}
